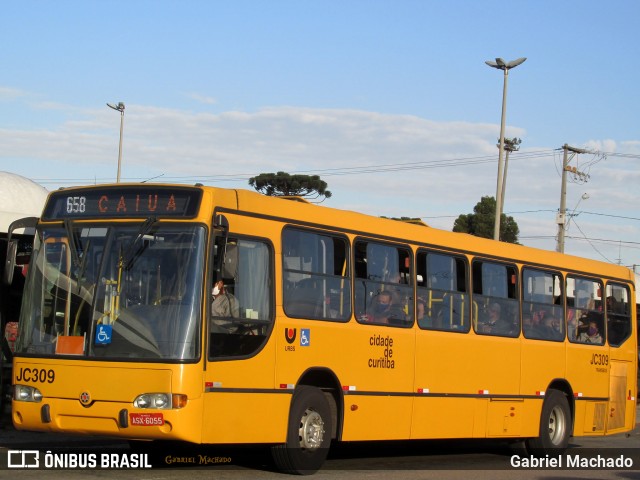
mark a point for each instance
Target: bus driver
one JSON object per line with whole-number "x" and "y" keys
{"x": 224, "y": 304}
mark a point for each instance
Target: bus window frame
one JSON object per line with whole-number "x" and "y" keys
{"x": 631, "y": 306}
{"x": 602, "y": 329}
{"x": 455, "y": 255}
{"x": 562, "y": 305}
{"x": 88, "y": 353}
{"x": 475, "y": 310}
{"x": 349, "y": 271}
{"x": 208, "y": 316}
{"x": 410, "y": 316}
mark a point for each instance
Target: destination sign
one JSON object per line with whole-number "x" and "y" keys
{"x": 125, "y": 201}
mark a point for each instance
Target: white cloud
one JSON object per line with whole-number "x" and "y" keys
{"x": 226, "y": 148}
{"x": 601, "y": 145}
{"x": 202, "y": 98}
{"x": 8, "y": 93}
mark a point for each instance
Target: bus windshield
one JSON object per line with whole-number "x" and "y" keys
{"x": 114, "y": 291}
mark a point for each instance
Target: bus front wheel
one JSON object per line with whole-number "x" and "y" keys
{"x": 308, "y": 433}
{"x": 555, "y": 425}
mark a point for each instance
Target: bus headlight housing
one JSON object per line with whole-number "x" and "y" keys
{"x": 163, "y": 401}
{"x": 26, "y": 393}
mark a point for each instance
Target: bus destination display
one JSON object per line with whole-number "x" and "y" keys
{"x": 126, "y": 201}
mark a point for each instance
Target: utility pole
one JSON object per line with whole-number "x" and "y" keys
{"x": 562, "y": 214}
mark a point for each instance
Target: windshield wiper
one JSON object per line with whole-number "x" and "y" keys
{"x": 131, "y": 252}
{"x": 78, "y": 257}
{"x": 73, "y": 242}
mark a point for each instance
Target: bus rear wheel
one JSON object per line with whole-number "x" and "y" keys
{"x": 308, "y": 433}
{"x": 555, "y": 425}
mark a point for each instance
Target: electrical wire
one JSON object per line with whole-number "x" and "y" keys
{"x": 359, "y": 170}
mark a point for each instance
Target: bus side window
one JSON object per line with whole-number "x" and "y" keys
{"x": 618, "y": 314}
{"x": 496, "y": 295}
{"x": 443, "y": 299}
{"x": 542, "y": 312}
{"x": 585, "y": 317}
{"x": 245, "y": 333}
{"x": 383, "y": 268}
{"x": 316, "y": 275}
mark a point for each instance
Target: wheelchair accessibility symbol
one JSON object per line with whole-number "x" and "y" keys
{"x": 103, "y": 334}
{"x": 305, "y": 337}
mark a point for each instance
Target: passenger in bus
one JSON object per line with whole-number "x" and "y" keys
{"x": 492, "y": 322}
{"x": 506, "y": 326}
{"x": 224, "y": 303}
{"x": 556, "y": 324}
{"x": 549, "y": 328}
{"x": 499, "y": 323}
{"x": 537, "y": 319}
{"x": 572, "y": 325}
{"x": 381, "y": 307}
{"x": 592, "y": 335}
{"x": 384, "y": 311}
{"x": 424, "y": 320}
{"x": 398, "y": 312}
{"x": 399, "y": 296}
{"x": 615, "y": 329}
{"x": 538, "y": 326}
{"x": 434, "y": 321}
{"x": 612, "y": 305}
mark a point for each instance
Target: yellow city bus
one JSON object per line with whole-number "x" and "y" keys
{"x": 330, "y": 326}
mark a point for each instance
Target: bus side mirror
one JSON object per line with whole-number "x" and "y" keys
{"x": 13, "y": 246}
{"x": 10, "y": 262}
{"x": 221, "y": 222}
{"x": 221, "y": 227}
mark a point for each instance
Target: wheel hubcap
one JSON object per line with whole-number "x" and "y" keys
{"x": 311, "y": 432}
{"x": 557, "y": 426}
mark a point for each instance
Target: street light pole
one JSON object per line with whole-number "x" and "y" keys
{"x": 510, "y": 145}
{"x": 500, "y": 64}
{"x": 120, "y": 108}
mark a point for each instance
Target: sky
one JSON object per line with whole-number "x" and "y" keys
{"x": 389, "y": 101}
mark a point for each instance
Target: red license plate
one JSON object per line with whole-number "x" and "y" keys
{"x": 146, "y": 419}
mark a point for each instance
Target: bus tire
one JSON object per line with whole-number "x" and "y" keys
{"x": 308, "y": 433}
{"x": 555, "y": 426}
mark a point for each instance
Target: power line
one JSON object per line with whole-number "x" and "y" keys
{"x": 608, "y": 241}
{"x": 611, "y": 215}
{"x": 381, "y": 168}
{"x": 363, "y": 169}
{"x": 591, "y": 243}
{"x": 623, "y": 155}
{"x": 542, "y": 210}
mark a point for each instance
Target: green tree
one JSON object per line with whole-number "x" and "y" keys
{"x": 283, "y": 184}
{"x": 481, "y": 222}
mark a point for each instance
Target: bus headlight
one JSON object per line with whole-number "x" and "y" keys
{"x": 164, "y": 401}
{"x": 25, "y": 393}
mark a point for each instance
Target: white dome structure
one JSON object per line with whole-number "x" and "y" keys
{"x": 19, "y": 197}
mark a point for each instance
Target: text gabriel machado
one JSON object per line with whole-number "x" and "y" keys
{"x": 571, "y": 461}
